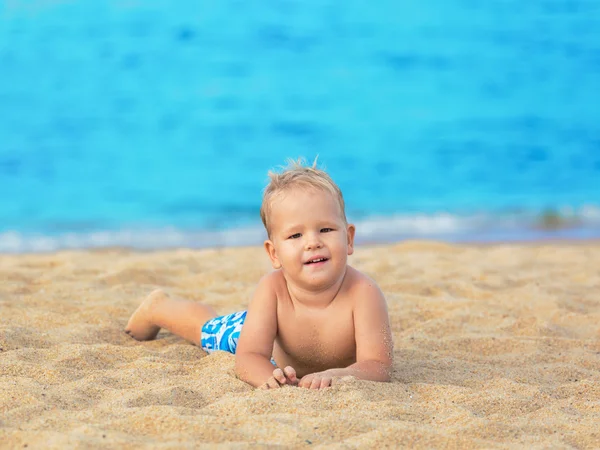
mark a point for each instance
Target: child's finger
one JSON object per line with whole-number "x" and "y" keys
{"x": 272, "y": 383}
{"x": 290, "y": 373}
{"x": 325, "y": 382}
{"x": 306, "y": 381}
{"x": 315, "y": 383}
{"x": 279, "y": 376}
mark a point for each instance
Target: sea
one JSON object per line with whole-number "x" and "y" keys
{"x": 153, "y": 124}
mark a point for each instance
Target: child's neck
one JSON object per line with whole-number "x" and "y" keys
{"x": 316, "y": 298}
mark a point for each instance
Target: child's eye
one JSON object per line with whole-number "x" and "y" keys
{"x": 326, "y": 230}
{"x": 295, "y": 236}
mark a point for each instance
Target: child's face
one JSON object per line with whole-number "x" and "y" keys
{"x": 309, "y": 238}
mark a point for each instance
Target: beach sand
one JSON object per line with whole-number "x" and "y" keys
{"x": 496, "y": 346}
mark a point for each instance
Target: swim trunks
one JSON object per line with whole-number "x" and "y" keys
{"x": 222, "y": 333}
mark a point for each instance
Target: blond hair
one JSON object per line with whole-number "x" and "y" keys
{"x": 298, "y": 174}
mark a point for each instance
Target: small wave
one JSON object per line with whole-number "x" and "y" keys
{"x": 561, "y": 223}
{"x": 16, "y": 242}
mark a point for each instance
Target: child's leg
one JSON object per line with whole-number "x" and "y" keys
{"x": 184, "y": 318}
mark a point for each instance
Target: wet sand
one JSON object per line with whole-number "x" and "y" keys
{"x": 496, "y": 346}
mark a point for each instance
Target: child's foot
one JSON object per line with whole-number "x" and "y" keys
{"x": 140, "y": 325}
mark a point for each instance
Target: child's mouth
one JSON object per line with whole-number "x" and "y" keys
{"x": 319, "y": 260}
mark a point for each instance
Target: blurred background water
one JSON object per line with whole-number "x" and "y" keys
{"x": 153, "y": 123}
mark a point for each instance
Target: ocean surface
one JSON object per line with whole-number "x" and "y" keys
{"x": 153, "y": 124}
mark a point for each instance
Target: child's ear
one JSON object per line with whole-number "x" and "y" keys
{"x": 270, "y": 249}
{"x": 350, "y": 232}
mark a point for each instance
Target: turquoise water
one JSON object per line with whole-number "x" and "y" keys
{"x": 153, "y": 124}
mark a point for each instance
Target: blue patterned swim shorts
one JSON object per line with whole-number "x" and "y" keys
{"x": 222, "y": 333}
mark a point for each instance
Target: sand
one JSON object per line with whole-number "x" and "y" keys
{"x": 495, "y": 347}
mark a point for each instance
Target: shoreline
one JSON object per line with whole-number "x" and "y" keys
{"x": 559, "y": 241}
{"x": 370, "y": 230}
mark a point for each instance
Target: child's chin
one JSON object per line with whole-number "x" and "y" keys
{"x": 319, "y": 280}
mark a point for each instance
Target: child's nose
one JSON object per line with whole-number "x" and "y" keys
{"x": 313, "y": 242}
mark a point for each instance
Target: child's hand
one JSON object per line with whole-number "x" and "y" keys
{"x": 318, "y": 380}
{"x": 281, "y": 377}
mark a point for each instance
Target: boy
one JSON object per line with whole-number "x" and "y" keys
{"x": 314, "y": 315}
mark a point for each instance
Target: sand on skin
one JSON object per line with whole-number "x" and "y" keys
{"x": 495, "y": 346}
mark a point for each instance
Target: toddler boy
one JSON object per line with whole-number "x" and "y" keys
{"x": 314, "y": 315}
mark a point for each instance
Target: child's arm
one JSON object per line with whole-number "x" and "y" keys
{"x": 374, "y": 345}
{"x": 255, "y": 346}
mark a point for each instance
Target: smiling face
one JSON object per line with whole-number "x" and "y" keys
{"x": 309, "y": 240}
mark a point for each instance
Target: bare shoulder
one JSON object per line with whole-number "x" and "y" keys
{"x": 271, "y": 288}
{"x": 361, "y": 287}
{"x": 266, "y": 290}
{"x": 274, "y": 281}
